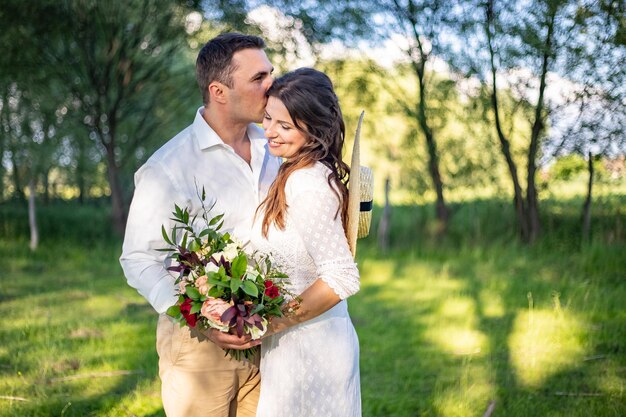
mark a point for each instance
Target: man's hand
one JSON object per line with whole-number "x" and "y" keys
{"x": 230, "y": 341}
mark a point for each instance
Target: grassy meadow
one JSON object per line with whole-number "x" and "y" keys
{"x": 460, "y": 326}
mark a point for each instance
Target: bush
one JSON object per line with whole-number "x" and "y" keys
{"x": 58, "y": 221}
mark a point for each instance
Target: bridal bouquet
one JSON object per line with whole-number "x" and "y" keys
{"x": 219, "y": 285}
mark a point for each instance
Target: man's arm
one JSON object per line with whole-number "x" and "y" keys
{"x": 143, "y": 265}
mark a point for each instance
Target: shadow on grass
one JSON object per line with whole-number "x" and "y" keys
{"x": 550, "y": 344}
{"x": 75, "y": 339}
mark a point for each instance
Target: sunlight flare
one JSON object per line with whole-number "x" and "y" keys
{"x": 543, "y": 343}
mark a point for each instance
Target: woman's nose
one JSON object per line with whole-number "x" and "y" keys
{"x": 269, "y": 131}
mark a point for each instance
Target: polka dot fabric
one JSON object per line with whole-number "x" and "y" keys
{"x": 312, "y": 369}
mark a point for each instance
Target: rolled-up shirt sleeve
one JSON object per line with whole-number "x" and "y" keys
{"x": 312, "y": 212}
{"x": 151, "y": 208}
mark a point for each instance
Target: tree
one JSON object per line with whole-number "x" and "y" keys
{"x": 420, "y": 23}
{"x": 596, "y": 104}
{"x": 117, "y": 61}
{"x": 520, "y": 45}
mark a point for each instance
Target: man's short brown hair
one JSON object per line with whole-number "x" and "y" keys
{"x": 214, "y": 61}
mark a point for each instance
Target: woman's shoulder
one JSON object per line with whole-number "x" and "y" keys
{"x": 311, "y": 178}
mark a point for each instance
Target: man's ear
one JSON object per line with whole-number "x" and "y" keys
{"x": 217, "y": 92}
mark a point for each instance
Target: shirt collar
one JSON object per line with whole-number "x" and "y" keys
{"x": 206, "y": 136}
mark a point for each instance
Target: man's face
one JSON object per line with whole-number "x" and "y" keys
{"x": 251, "y": 78}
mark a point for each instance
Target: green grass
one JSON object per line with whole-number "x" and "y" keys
{"x": 445, "y": 326}
{"x": 444, "y": 334}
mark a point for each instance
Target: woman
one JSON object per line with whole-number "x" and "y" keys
{"x": 310, "y": 361}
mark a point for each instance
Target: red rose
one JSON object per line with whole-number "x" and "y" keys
{"x": 271, "y": 292}
{"x": 185, "y": 309}
{"x": 269, "y": 284}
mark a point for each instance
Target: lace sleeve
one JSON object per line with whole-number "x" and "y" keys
{"x": 312, "y": 207}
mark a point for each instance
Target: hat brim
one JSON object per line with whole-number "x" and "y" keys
{"x": 366, "y": 188}
{"x": 354, "y": 188}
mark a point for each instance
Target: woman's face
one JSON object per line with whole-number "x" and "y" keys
{"x": 284, "y": 139}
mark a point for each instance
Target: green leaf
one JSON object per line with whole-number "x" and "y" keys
{"x": 250, "y": 289}
{"x": 217, "y": 282}
{"x": 165, "y": 237}
{"x": 235, "y": 283}
{"x": 173, "y": 235}
{"x": 173, "y": 311}
{"x": 239, "y": 265}
{"x": 194, "y": 246}
{"x": 195, "y": 307}
{"x": 215, "y": 219}
{"x": 184, "y": 242}
{"x": 192, "y": 293}
{"x": 216, "y": 292}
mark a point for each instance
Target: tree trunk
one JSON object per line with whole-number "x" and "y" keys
{"x": 118, "y": 217}
{"x": 17, "y": 181}
{"x": 442, "y": 211}
{"x": 532, "y": 202}
{"x": 3, "y": 142}
{"x": 45, "y": 176}
{"x": 419, "y": 67}
{"x": 32, "y": 216}
{"x": 505, "y": 146}
{"x": 81, "y": 170}
{"x": 587, "y": 205}
{"x": 2, "y": 170}
{"x": 385, "y": 221}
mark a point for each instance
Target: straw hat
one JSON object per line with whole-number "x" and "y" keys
{"x": 360, "y": 194}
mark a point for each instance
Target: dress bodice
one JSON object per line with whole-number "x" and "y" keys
{"x": 313, "y": 243}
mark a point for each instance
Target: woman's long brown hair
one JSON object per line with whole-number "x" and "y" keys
{"x": 314, "y": 108}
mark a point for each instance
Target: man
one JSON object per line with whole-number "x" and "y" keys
{"x": 226, "y": 153}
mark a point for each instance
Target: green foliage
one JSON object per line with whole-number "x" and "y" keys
{"x": 567, "y": 167}
{"x": 573, "y": 166}
{"x": 73, "y": 223}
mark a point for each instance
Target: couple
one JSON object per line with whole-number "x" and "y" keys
{"x": 296, "y": 210}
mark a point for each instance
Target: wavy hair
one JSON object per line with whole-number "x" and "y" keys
{"x": 309, "y": 97}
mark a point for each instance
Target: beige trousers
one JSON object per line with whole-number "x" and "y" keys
{"x": 197, "y": 380}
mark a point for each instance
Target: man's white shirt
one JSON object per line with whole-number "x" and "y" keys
{"x": 176, "y": 174}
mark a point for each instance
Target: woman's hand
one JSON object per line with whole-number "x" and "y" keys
{"x": 230, "y": 341}
{"x": 315, "y": 300}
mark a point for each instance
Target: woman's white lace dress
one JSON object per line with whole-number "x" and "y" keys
{"x": 312, "y": 369}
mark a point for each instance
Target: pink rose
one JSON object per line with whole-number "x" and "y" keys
{"x": 212, "y": 309}
{"x": 202, "y": 286}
